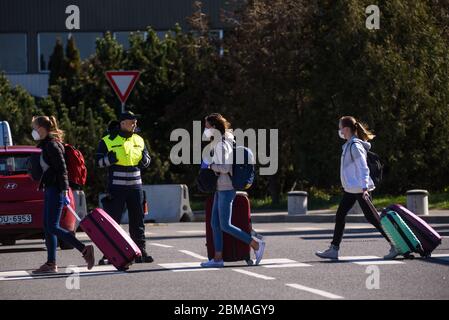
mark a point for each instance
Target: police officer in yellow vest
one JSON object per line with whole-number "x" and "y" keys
{"x": 124, "y": 153}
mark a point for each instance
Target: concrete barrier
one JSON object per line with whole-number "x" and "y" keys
{"x": 297, "y": 202}
{"x": 418, "y": 202}
{"x": 166, "y": 203}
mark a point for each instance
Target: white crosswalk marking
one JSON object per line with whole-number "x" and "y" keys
{"x": 368, "y": 260}
{"x": 440, "y": 256}
{"x": 305, "y": 229}
{"x": 275, "y": 261}
{"x": 288, "y": 265}
{"x": 192, "y": 231}
{"x": 253, "y": 274}
{"x": 185, "y": 267}
{"x": 27, "y": 275}
{"x": 193, "y": 254}
{"x": 159, "y": 245}
{"x": 314, "y": 291}
{"x": 282, "y": 263}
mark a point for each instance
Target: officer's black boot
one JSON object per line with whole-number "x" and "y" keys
{"x": 145, "y": 258}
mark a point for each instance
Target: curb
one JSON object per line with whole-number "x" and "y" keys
{"x": 199, "y": 216}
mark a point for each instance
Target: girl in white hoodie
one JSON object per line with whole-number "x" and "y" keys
{"x": 356, "y": 181}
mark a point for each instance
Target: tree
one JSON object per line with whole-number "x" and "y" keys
{"x": 56, "y": 64}
{"x": 268, "y": 52}
{"x": 395, "y": 79}
{"x": 72, "y": 59}
{"x": 17, "y": 107}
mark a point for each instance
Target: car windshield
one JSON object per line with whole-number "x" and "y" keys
{"x": 13, "y": 164}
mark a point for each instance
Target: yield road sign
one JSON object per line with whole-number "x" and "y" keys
{"x": 122, "y": 82}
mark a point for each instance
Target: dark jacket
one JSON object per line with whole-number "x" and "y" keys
{"x": 53, "y": 155}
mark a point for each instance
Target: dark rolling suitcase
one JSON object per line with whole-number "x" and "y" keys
{"x": 428, "y": 237}
{"x": 398, "y": 232}
{"x": 233, "y": 249}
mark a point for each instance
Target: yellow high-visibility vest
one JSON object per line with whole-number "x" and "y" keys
{"x": 127, "y": 150}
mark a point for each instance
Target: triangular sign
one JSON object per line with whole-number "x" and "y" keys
{"x": 122, "y": 82}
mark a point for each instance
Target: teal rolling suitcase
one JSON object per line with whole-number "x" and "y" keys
{"x": 400, "y": 235}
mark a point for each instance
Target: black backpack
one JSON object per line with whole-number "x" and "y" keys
{"x": 375, "y": 165}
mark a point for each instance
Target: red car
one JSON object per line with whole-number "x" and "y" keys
{"x": 21, "y": 204}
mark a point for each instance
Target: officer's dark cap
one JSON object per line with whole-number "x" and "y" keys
{"x": 128, "y": 115}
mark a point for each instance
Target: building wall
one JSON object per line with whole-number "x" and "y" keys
{"x": 34, "y": 18}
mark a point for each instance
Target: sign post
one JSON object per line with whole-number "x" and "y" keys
{"x": 123, "y": 83}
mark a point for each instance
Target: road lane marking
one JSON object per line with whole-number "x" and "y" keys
{"x": 253, "y": 274}
{"x": 368, "y": 260}
{"x": 355, "y": 258}
{"x": 378, "y": 262}
{"x": 281, "y": 263}
{"x": 159, "y": 245}
{"x": 288, "y": 265}
{"x": 193, "y": 254}
{"x": 191, "y": 231}
{"x": 440, "y": 256}
{"x": 185, "y": 267}
{"x": 276, "y": 261}
{"x": 314, "y": 291}
{"x": 82, "y": 271}
{"x": 307, "y": 229}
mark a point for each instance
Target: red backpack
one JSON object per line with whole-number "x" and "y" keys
{"x": 76, "y": 167}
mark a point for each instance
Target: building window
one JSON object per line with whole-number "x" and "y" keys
{"x": 84, "y": 41}
{"x": 13, "y": 53}
{"x": 122, "y": 37}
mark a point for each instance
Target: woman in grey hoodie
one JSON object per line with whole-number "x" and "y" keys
{"x": 356, "y": 181}
{"x": 219, "y": 128}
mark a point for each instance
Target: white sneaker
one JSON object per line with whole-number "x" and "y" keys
{"x": 392, "y": 254}
{"x": 259, "y": 253}
{"x": 331, "y": 253}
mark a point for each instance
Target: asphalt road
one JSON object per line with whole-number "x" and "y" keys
{"x": 289, "y": 270}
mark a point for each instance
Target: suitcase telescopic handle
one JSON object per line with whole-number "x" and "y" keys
{"x": 372, "y": 207}
{"x": 77, "y": 217}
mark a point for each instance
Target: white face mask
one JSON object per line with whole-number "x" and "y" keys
{"x": 208, "y": 133}
{"x": 340, "y": 134}
{"x": 36, "y": 136}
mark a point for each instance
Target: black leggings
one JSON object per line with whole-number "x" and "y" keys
{"x": 346, "y": 204}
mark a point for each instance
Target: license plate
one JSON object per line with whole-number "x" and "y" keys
{"x": 16, "y": 219}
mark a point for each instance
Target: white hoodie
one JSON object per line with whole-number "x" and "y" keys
{"x": 222, "y": 162}
{"x": 354, "y": 171}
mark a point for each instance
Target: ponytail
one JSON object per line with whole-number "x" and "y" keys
{"x": 362, "y": 132}
{"x": 357, "y": 127}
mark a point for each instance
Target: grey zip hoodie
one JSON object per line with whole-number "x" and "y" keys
{"x": 354, "y": 171}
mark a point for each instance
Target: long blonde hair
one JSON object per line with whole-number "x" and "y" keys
{"x": 50, "y": 124}
{"x": 358, "y": 128}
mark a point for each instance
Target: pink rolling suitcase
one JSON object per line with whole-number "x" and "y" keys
{"x": 428, "y": 237}
{"x": 110, "y": 238}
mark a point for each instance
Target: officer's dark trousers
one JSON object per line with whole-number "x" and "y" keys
{"x": 133, "y": 199}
